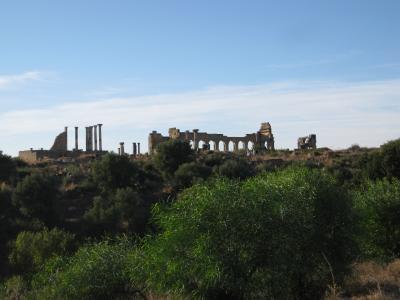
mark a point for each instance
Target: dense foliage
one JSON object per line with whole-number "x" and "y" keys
{"x": 379, "y": 206}
{"x": 267, "y": 237}
{"x": 207, "y": 225}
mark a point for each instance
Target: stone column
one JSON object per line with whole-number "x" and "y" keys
{"x": 226, "y": 147}
{"x": 91, "y": 138}
{"x": 87, "y": 138}
{"x": 76, "y": 139}
{"x": 119, "y": 151}
{"x": 122, "y": 150}
{"x": 134, "y": 149}
{"x": 66, "y": 137}
{"x": 195, "y": 141}
{"x": 95, "y": 138}
{"x": 138, "y": 148}
{"x": 235, "y": 147}
{"x": 100, "y": 138}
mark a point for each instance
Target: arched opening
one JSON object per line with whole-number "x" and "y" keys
{"x": 212, "y": 145}
{"x": 222, "y": 146}
{"x": 231, "y": 146}
{"x": 241, "y": 145}
{"x": 191, "y": 144}
{"x": 201, "y": 144}
{"x": 250, "y": 146}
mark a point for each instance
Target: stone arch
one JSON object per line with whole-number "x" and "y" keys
{"x": 222, "y": 146}
{"x": 250, "y": 145}
{"x": 201, "y": 144}
{"x": 242, "y": 145}
{"x": 231, "y": 146}
{"x": 191, "y": 143}
{"x": 213, "y": 145}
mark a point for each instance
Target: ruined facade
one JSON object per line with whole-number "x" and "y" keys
{"x": 307, "y": 142}
{"x": 60, "y": 147}
{"x": 263, "y": 139}
{"x": 61, "y": 142}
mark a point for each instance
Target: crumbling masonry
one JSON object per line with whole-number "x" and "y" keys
{"x": 60, "y": 146}
{"x": 263, "y": 139}
{"x": 307, "y": 142}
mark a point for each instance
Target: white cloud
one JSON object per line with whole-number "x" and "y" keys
{"x": 8, "y": 81}
{"x": 340, "y": 114}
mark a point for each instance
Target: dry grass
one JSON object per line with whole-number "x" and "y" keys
{"x": 371, "y": 281}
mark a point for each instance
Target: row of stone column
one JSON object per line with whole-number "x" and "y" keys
{"x": 135, "y": 149}
{"x": 92, "y": 137}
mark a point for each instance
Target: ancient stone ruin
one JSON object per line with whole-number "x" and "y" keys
{"x": 307, "y": 142}
{"x": 262, "y": 139}
{"x": 60, "y": 147}
{"x": 61, "y": 142}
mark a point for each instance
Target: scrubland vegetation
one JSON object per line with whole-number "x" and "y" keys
{"x": 183, "y": 225}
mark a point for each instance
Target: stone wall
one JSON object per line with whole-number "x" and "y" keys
{"x": 61, "y": 142}
{"x": 307, "y": 142}
{"x": 219, "y": 142}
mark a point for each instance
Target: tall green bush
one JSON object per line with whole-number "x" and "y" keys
{"x": 96, "y": 271}
{"x": 378, "y": 204}
{"x": 274, "y": 236}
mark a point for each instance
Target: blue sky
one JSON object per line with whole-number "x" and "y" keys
{"x": 329, "y": 67}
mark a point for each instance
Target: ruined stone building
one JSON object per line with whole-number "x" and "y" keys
{"x": 263, "y": 139}
{"x": 307, "y": 142}
{"x": 60, "y": 146}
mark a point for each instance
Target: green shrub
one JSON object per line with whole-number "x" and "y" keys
{"x": 15, "y": 288}
{"x": 31, "y": 249}
{"x": 114, "y": 171}
{"x": 236, "y": 169}
{"x": 124, "y": 210}
{"x": 95, "y": 271}
{"x": 170, "y": 155}
{"x": 190, "y": 173}
{"x": 379, "y": 206}
{"x": 381, "y": 163}
{"x": 8, "y": 168}
{"x": 265, "y": 238}
{"x": 35, "y": 197}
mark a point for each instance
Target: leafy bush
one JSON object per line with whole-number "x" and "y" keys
{"x": 8, "y": 167}
{"x": 95, "y": 271}
{"x": 114, "y": 171}
{"x": 379, "y": 206}
{"x": 171, "y": 154}
{"x": 124, "y": 210}
{"x": 268, "y": 237}
{"x": 15, "y": 288}
{"x": 235, "y": 169}
{"x": 31, "y": 249}
{"x": 391, "y": 158}
{"x": 190, "y": 173}
{"x": 35, "y": 197}
{"x": 384, "y": 162}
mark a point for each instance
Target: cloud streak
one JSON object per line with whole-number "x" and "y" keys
{"x": 339, "y": 113}
{"x": 10, "y": 81}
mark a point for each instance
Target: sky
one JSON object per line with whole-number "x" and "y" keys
{"x": 326, "y": 67}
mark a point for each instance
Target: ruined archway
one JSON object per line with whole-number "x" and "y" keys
{"x": 250, "y": 146}
{"x": 222, "y": 146}
{"x": 201, "y": 144}
{"x": 231, "y": 146}
{"x": 213, "y": 145}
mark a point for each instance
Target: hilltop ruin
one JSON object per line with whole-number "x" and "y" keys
{"x": 263, "y": 139}
{"x": 59, "y": 150}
